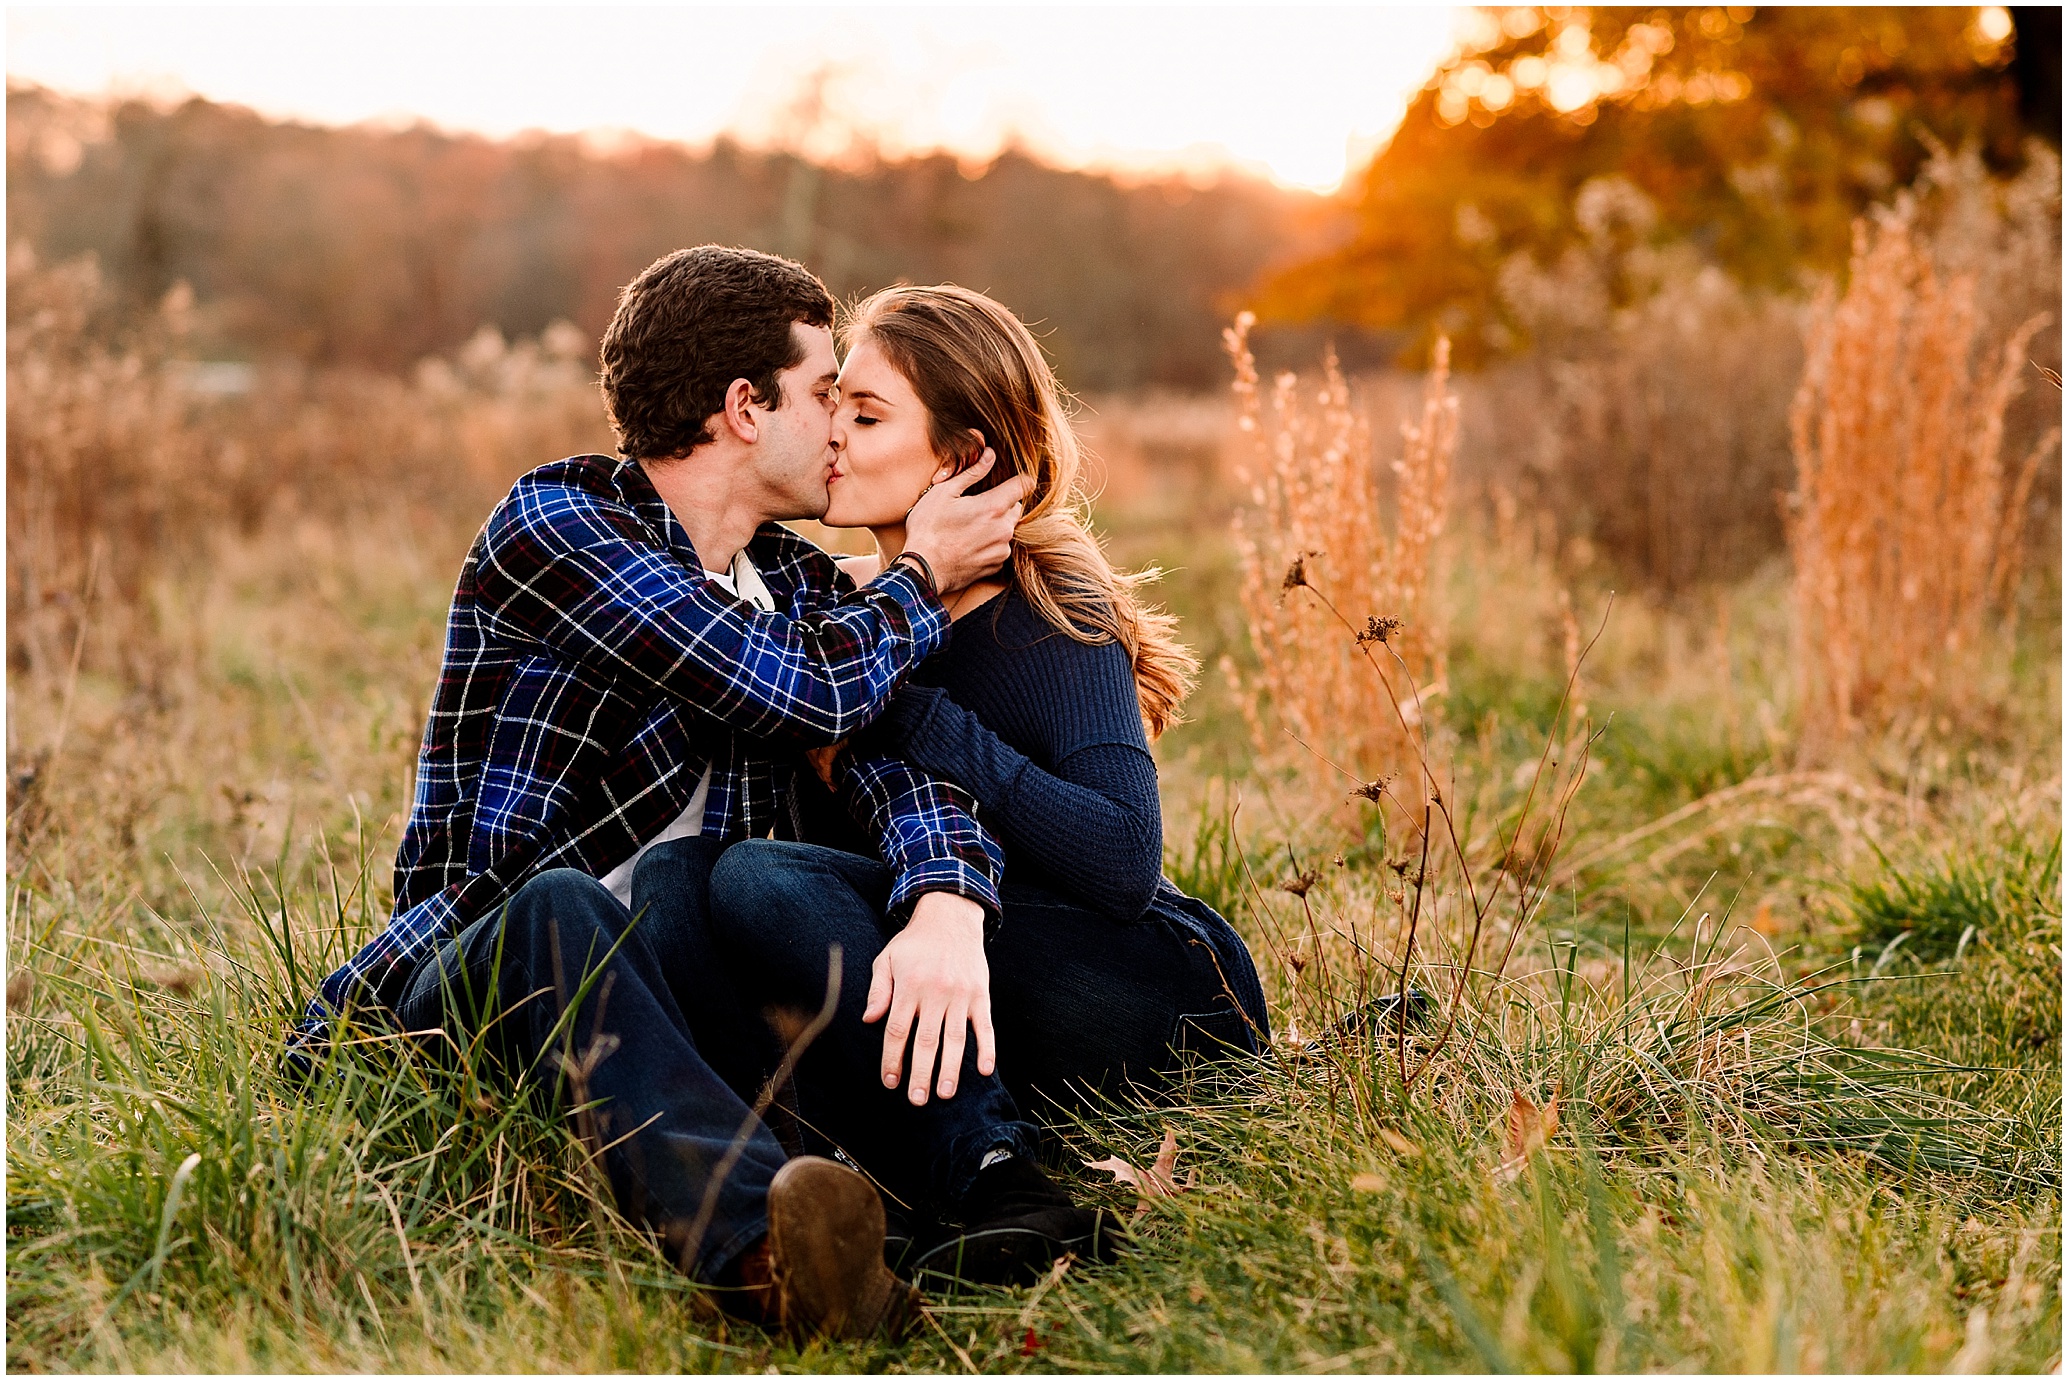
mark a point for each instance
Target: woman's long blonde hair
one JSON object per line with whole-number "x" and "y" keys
{"x": 976, "y": 367}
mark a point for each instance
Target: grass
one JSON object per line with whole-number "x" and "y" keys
{"x": 1747, "y": 1175}
{"x": 1799, "y": 1024}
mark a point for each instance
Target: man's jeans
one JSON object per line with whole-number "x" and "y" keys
{"x": 776, "y": 910}
{"x": 665, "y": 1114}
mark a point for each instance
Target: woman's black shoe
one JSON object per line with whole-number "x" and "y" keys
{"x": 904, "y": 1234}
{"x": 1388, "y": 1012}
{"x": 1012, "y": 1225}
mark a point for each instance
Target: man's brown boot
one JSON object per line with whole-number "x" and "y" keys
{"x": 825, "y": 1250}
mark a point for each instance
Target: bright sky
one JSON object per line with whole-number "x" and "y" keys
{"x": 1296, "y": 93}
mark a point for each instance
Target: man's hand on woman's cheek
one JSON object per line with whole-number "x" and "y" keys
{"x": 962, "y": 536}
{"x": 933, "y": 983}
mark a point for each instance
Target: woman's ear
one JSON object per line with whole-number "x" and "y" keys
{"x": 971, "y": 450}
{"x": 966, "y": 451}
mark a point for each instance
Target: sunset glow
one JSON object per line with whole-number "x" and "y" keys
{"x": 1147, "y": 89}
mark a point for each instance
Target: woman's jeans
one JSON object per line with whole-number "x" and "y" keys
{"x": 1081, "y": 1005}
{"x": 563, "y": 991}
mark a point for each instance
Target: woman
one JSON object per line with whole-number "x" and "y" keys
{"x": 1042, "y": 707}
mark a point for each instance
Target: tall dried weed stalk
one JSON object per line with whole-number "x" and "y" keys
{"x": 1315, "y": 520}
{"x": 1907, "y": 521}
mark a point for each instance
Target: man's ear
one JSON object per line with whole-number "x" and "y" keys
{"x": 739, "y": 395}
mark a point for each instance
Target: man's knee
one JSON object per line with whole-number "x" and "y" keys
{"x": 566, "y": 911}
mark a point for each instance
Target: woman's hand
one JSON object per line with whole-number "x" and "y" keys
{"x": 821, "y": 760}
{"x": 934, "y": 983}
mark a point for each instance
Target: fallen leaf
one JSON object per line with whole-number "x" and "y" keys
{"x": 1031, "y": 1344}
{"x": 1529, "y": 1127}
{"x": 1121, "y": 1170}
{"x": 1401, "y": 1145}
{"x": 1368, "y": 1183}
{"x": 1158, "y": 1181}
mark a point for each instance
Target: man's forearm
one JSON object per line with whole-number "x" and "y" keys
{"x": 570, "y": 571}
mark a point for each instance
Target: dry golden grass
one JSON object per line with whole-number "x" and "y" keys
{"x": 1908, "y": 522}
{"x": 1313, "y": 484}
{"x": 122, "y": 471}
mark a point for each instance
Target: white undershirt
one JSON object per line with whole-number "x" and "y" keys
{"x": 743, "y": 582}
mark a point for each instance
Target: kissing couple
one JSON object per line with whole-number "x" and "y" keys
{"x": 698, "y": 805}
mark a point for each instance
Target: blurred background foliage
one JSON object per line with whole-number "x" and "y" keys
{"x": 1610, "y": 213}
{"x": 1753, "y": 135}
{"x": 378, "y": 247}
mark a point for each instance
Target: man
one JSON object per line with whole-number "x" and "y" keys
{"x": 636, "y": 654}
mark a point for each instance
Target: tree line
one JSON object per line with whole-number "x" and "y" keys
{"x": 1752, "y": 136}
{"x": 375, "y": 247}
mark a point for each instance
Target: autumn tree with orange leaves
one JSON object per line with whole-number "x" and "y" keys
{"x": 1758, "y": 134}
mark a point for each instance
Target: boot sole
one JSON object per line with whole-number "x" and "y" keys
{"x": 825, "y": 1237}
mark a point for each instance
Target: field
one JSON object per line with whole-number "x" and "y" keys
{"x": 1754, "y": 1064}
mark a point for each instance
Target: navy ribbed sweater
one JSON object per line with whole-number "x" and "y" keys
{"x": 1046, "y": 733}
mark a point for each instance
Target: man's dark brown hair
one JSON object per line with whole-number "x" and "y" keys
{"x": 689, "y": 325}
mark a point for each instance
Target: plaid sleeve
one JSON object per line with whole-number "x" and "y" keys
{"x": 365, "y": 984}
{"x": 573, "y": 570}
{"x": 927, "y": 832}
{"x": 369, "y": 984}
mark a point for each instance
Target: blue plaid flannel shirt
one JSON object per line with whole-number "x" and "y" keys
{"x": 591, "y": 674}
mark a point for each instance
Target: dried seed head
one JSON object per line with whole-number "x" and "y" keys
{"x": 1379, "y": 629}
{"x": 1295, "y": 574}
{"x": 1301, "y": 884}
{"x": 1375, "y": 788}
